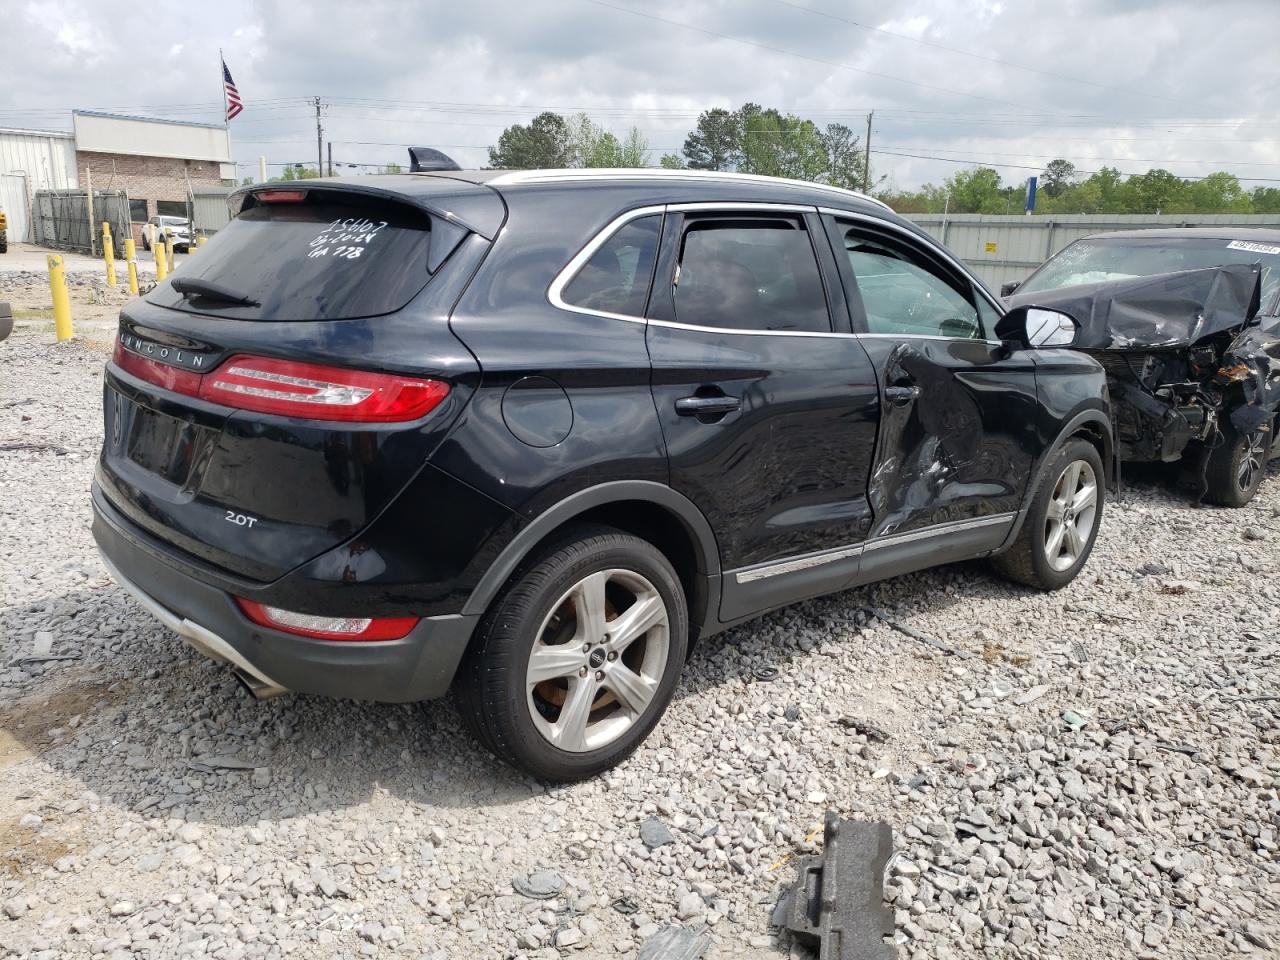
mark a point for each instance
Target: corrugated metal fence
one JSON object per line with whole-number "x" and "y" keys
{"x": 209, "y": 212}
{"x": 1008, "y": 248}
{"x": 61, "y": 219}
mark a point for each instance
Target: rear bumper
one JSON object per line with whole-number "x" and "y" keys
{"x": 419, "y": 666}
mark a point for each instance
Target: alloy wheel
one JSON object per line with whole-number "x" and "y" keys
{"x": 1072, "y": 512}
{"x": 1252, "y": 459}
{"x": 598, "y": 660}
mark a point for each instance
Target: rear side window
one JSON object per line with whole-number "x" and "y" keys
{"x": 616, "y": 278}
{"x": 329, "y": 257}
{"x": 750, "y": 274}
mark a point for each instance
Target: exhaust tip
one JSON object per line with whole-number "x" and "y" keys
{"x": 258, "y": 688}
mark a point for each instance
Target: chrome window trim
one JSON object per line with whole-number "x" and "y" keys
{"x": 805, "y": 561}
{"x": 738, "y": 331}
{"x": 555, "y": 292}
{"x": 695, "y": 176}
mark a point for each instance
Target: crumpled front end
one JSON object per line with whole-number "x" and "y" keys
{"x": 1184, "y": 356}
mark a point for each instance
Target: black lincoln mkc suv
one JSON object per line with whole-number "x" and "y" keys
{"x": 530, "y": 436}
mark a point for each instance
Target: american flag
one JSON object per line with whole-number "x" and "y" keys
{"x": 234, "y": 106}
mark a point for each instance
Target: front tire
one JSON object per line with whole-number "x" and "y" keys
{"x": 575, "y": 663}
{"x": 1237, "y": 465}
{"x": 1062, "y": 524}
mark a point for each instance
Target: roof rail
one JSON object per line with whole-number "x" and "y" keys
{"x": 652, "y": 173}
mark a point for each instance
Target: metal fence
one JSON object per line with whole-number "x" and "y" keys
{"x": 1000, "y": 249}
{"x": 209, "y": 212}
{"x": 60, "y": 219}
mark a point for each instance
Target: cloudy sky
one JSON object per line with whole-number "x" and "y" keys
{"x": 1188, "y": 85}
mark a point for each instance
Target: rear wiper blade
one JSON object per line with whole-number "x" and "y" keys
{"x": 195, "y": 287}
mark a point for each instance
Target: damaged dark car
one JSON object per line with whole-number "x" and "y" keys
{"x": 1186, "y": 326}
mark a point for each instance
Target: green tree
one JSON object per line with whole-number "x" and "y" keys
{"x": 247, "y": 182}
{"x": 1218, "y": 193}
{"x": 393, "y": 168}
{"x": 844, "y": 157}
{"x": 592, "y": 146}
{"x": 976, "y": 191}
{"x": 781, "y": 145}
{"x": 543, "y": 143}
{"x": 635, "y": 149}
{"x": 670, "y": 161}
{"x": 1156, "y": 191}
{"x": 1265, "y": 199}
{"x": 716, "y": 142}
{"x": 1057, "y": 177}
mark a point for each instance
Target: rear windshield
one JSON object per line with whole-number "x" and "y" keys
{"x": 326, "y": 258}
{"x": 1096, "y": 261}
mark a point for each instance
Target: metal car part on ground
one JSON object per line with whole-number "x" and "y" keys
{"x": 837, "y": 903}
{"x": 1193, "y": 376}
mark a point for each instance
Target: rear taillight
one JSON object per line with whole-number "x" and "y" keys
{"x": 326, "y": 628}
{"x": 152, "y": 371}
{"x": 288, "y": 388}
{"x": 317, "y": 392}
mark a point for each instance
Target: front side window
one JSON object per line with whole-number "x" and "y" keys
{"x": 904, "y": 293}
{"x": 750, "y": 274}
{"x": 616, "y": 278}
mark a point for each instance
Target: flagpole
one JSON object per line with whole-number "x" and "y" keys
{"x": 222, "y": 84}
{"x": 226, "y": 121}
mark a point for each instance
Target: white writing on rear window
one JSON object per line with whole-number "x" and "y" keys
{"x": 347, "y": 238}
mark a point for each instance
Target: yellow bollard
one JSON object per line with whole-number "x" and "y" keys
{"x": 131, "y": 258}
{"x": 61, "y": 299}
{"x": 200, "y": 241}
{"x": 162, "y": 269}
{"x": 109, "y": 253}
{"x": 168, "y": 249}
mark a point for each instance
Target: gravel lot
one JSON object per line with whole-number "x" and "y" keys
{"x": 1092, "y": 774}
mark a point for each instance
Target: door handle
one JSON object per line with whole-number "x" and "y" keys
{"x": 901, "y": 396}
{"x": 703, "y": 406}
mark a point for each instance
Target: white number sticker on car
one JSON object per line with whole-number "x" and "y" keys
{"x": 239, "y": 519}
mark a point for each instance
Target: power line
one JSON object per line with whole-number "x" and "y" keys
{"x": 1054, "y": 156}
{"x": 1019, "y": 166}
{"x": 803, "y": 56}
{"x": 975, "y": 56}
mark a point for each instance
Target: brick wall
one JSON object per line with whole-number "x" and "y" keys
{"x": 145, "y": 178}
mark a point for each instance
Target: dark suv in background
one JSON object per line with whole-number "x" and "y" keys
{"x": 533, "y": 435}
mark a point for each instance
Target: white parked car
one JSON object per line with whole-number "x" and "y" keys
{"x": 180, "y": 227}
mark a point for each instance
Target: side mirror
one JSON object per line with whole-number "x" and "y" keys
{"x": 1009, "y": 287}
{"x": 1036, "y": 327}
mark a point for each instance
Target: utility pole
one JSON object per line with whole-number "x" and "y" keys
{"x": 262, "y": 169}
{"x": 319, "y": 141}
{"x": 330, "y": 145}
{"x": 866, "y": 157}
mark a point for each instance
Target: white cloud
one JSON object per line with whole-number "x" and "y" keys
{"x": 1153, "y": 79}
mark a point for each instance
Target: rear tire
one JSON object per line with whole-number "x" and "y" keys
{"x": 1062, "y": 524}
{"x": 1237, "y": 465}
{"x": 576, "y": 661}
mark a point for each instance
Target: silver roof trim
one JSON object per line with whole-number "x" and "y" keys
{"x": 654, "y": 173}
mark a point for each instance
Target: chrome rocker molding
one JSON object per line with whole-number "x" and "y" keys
{"x": 200, "y": 639}
{"x": 805, "y": 561}
{"x": 749, "y": 591}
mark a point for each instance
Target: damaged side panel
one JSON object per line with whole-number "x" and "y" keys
{"x": 957, "y": 433}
